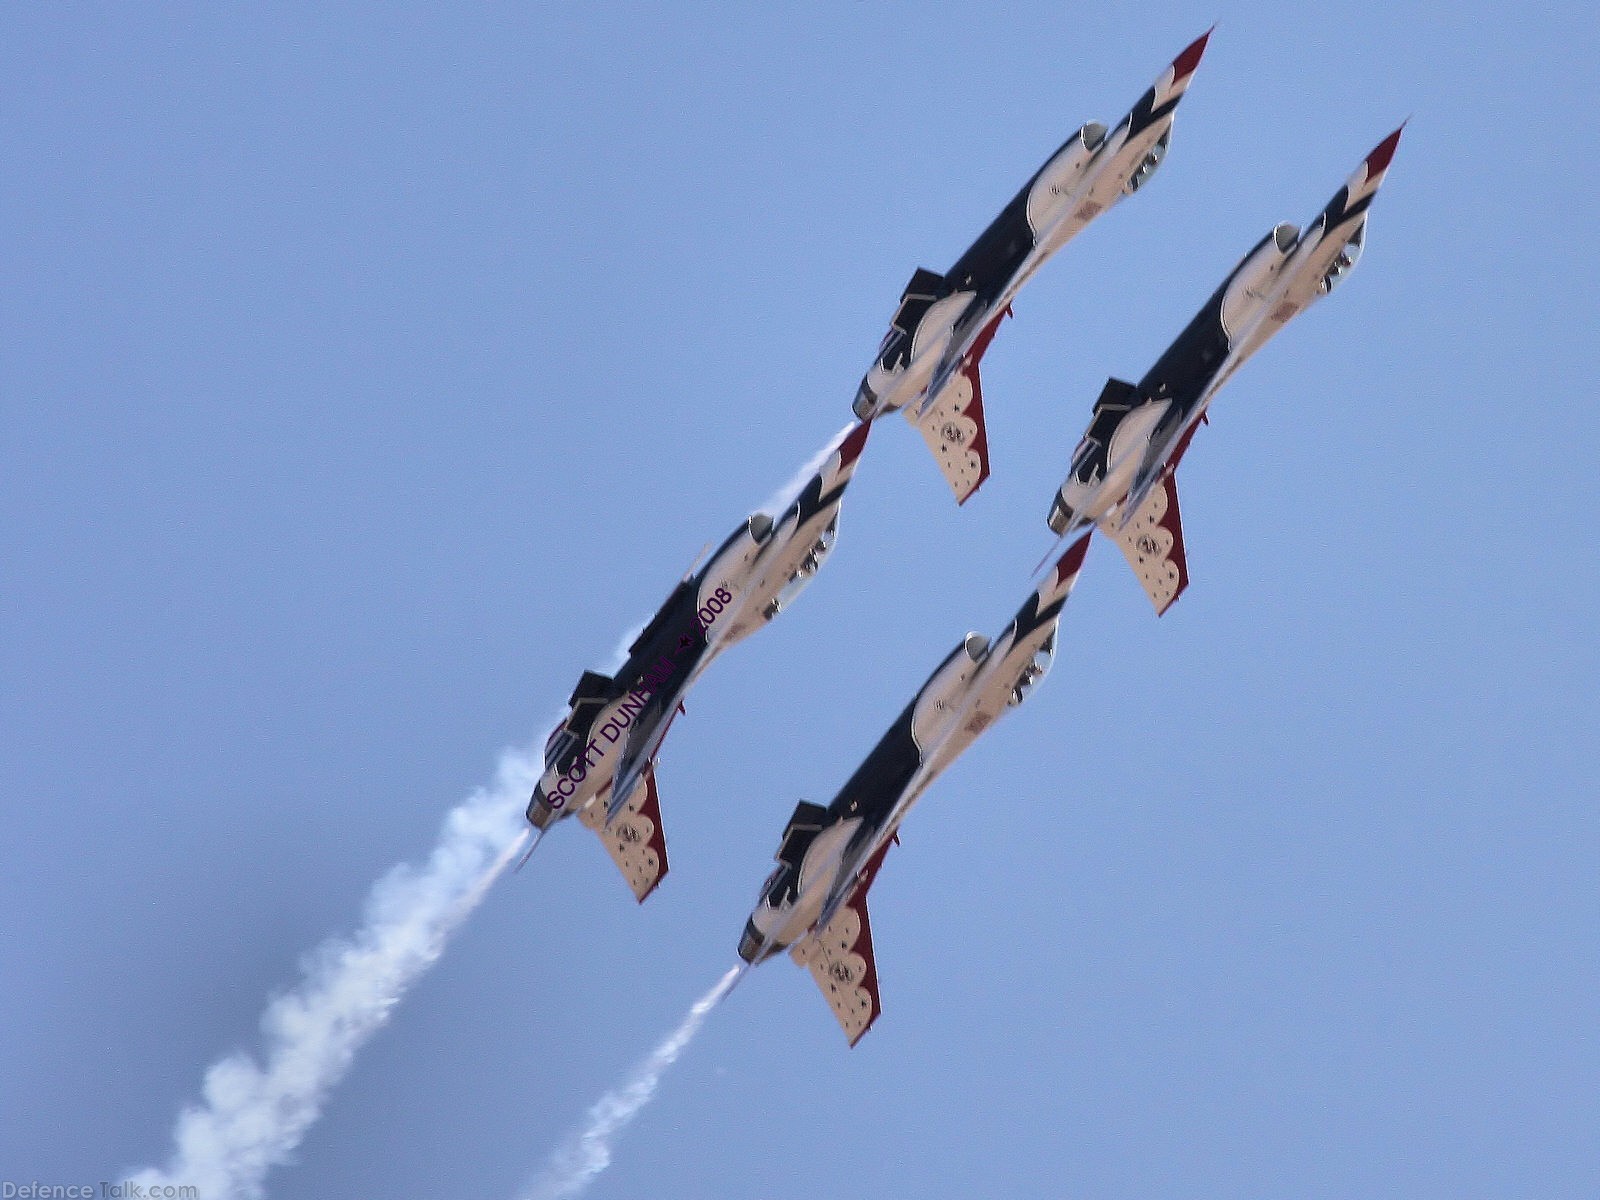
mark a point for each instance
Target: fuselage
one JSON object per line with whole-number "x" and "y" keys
{"x": 605, "y": 713}
{"x": 1137, "y": 430}
{"x": 615, "y": 725}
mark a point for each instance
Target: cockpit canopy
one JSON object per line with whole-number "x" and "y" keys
{"x": 1344, "y": 262}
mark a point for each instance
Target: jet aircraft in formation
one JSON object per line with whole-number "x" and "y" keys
{"x": 927, "y": 365}
{"x": 1122, "y": 475}
{"x": 814, "y": 905}
{"x": 600, "y": 761}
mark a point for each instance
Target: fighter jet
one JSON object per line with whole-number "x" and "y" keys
{"x": 928, "y": 362}
{"x": 600, "y": 761}
{"x": 1122, "y": 471}
{"x": 814, "y": 905}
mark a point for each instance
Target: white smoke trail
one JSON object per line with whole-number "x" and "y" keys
{"x": 252, "y": 1116}
{"x": 784, "y": 496}
{"x": 574, "y": 1167}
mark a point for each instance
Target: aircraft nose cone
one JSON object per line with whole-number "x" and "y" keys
{"x": 1383, "y": 154}
{"x": 1184, "y": 65}
{"x": 1072, "y": 561}
{"x": 850, "y": 449}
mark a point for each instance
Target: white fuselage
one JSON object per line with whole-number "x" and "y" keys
{"x": 751, "y": 577}
{"x": 589, "y": 781}
{"x": 1129, "y": 444}
{"x": 1274, "y": 283}
{"x": 1075, "y": 186}
{"x": 792, "y": 553}
{"x": 567, "y": 794}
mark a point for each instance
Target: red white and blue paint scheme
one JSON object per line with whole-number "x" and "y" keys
{"x": 927, "y": 365}
{"x": 1122, "y": 477}
{"x": 600, "y": 761}
{"x": 814, "y": 905}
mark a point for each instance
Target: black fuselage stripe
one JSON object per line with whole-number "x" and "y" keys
{"x": 1139, "y": 125}
{"x": 1050, "y": 612}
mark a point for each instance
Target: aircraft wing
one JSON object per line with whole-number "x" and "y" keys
{"x": 839, "y": 957}
{"x": 1163, "y": 455}
{"x": 1152, "y": 542}
{"x": 950, "y": 417}
{"x": 954, "y": 431}
{"x": 634, "y": 839}
{"x": 643, "y": 742}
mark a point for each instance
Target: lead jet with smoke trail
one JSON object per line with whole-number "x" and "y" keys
{"x": 814, "y": 905}
{"x": 928, "y": 362}
{"x": 599, "y": 763}
{"x": 1122, "y": 475}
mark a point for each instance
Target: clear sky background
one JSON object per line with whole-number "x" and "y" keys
{"x": 366, "y": 374}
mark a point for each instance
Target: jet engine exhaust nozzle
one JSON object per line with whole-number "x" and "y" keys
{"x": 540, "y": 815}
{"x": 1060, "y": 519}
{"x": 865, "y": 405}
{"x": 754, "y": 946}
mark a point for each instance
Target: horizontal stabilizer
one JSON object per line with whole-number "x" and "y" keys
{"x": 1152, "y": 542}
{"x": 634, "y": 838}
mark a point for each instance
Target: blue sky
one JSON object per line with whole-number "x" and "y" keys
{"x": 368, "y": 371}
